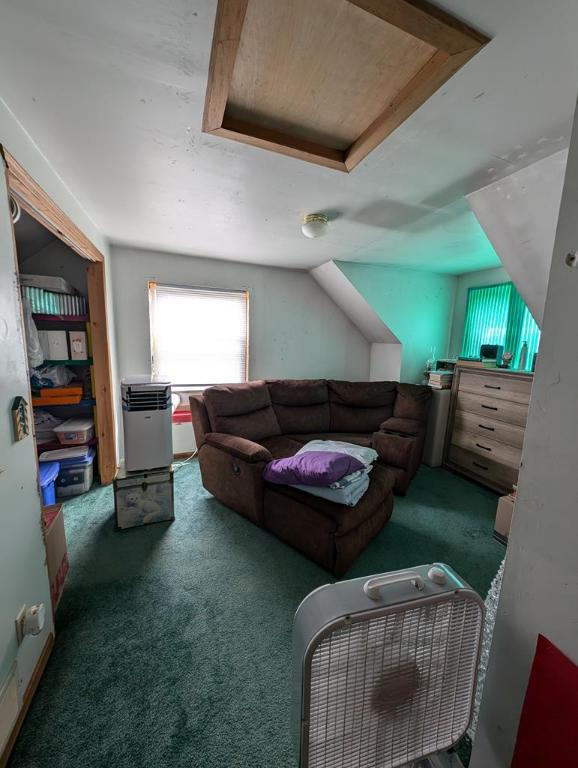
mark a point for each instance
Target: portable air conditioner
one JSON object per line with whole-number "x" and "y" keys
{"x": 385, "y": 669}
{"x": 147, "y": 423}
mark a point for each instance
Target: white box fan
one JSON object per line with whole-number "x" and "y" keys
{"x": 385, "y": 668}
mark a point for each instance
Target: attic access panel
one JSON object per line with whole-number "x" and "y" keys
{"x": 327, "y": 80}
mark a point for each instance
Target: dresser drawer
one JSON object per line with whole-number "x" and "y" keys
{"x": 491, "y": 449}
{"x": 492, "y": 408}
{"x": 489, "y": 429}
{"x": 503, "y": 387}
{"x": 485, "y": 470}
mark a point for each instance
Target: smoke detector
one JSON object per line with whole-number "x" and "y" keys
{"x": 314, "y": 225}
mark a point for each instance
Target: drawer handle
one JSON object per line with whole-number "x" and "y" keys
{"x": 492, "y": 386}
{"x": 490, "y": 429}
{"x": 481, "y": 466}
{"x": 483, "y": 447}
{"x": 490, "y": 407}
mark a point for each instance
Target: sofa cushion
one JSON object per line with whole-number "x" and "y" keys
{"x": 394, "y": 450}
{"x": 281, "y": 446}
{"x": 300, "y": 405}
{"x": 242, "y": 409}
{"x": 344, "y": 437}
{"x": 298, "y": 391}
{"x": 360, "y": 406}
{"x": 302, "y": 418}
{"x": 337, "y": 517}
{"x": 410, "y": 427}
{"x": 412, "y": 401}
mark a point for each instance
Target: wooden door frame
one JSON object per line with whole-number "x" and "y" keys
{"x": 34, "y": 200}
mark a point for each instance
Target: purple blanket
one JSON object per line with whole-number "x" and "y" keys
{"x": 319, "y": 468}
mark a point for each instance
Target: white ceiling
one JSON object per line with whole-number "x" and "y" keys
{"x": 112, "y": 92}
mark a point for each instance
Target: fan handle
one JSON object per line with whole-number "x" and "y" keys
{"x": 372, "y": 586}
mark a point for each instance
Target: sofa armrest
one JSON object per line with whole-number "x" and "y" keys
{"x": 394, "y": 450}
{"x": 239, "y": 447}
{"x": 406, "y": 427}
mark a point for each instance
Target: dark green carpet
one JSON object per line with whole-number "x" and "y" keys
{"x": 173, "y": 641}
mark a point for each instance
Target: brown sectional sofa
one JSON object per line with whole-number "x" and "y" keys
{"x": 241, "y": 427}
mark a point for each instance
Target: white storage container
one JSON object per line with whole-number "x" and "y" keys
{"x": 47, "y": 282}
{"x": 75, "y": 431}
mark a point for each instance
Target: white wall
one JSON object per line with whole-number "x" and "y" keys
{"x": 464, "y": 283}
{"x": 385, "y": 361}
{"x": 519, "y": 215}
{"x": 540, "y": 588}
{"x": 23, "y": 577}
{"x": 296, "y": 330}
{"x": 57, "y": 259}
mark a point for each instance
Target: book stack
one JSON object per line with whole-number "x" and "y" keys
{"x": 440, "y": 379}
{"x": 477, "y": 362}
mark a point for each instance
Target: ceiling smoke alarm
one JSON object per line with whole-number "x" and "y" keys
{"x": 314, "y": 225}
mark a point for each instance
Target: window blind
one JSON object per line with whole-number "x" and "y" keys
{"x": 199, "y": 336}
{"x": 496, "y": 314}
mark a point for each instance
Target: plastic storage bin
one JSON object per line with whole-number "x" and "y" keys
{"x": 75, "y": 475}
{"x": 75, "y": 431}
{"x": 48, "y": 474}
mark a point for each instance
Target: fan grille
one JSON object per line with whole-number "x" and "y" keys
{"x": 389, "y": 690}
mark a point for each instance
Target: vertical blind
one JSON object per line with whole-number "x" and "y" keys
{"x": 199, "y": 336}
{"x": 496, "y": 314}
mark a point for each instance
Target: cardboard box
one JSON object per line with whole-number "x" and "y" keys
{"x": 504, "y": 514}
{"x": 56, "y": 551}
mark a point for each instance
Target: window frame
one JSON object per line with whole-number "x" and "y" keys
{"x": 151, "y": 289}
{"x": 471, "y": 290}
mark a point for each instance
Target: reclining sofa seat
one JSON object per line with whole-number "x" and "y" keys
{"x": 239, "y": 428}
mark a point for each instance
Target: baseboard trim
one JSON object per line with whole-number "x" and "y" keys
{"x": 27, "y": 700}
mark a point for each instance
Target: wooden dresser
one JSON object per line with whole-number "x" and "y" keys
{"x": 486, "y": 424}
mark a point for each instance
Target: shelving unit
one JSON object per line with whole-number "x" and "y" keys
{"x": 86, "y": 362}
{"x": 60, "y": 318}
{"x": 84, "y": 374}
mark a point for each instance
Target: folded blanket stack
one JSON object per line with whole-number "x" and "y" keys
{"x": 331, "y": 469}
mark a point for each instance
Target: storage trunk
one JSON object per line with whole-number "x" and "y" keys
{"x": 143, "y": 497}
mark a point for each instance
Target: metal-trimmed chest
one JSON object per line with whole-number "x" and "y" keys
{"x": 144, "y": 497}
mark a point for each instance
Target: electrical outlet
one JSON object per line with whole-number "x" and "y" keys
{"x": 20, "y": 624}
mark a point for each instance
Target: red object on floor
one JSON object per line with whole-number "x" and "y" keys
{"x": 547, "y": 735}
{"x": 180, "y": 417}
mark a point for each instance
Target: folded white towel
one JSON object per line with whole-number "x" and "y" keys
{"x": 349, "y": 496}
{"x": 366, "y": 455}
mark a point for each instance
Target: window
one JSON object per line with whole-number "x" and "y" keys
{"x": 199, "y": 336}
{"x": 496, "y": 314}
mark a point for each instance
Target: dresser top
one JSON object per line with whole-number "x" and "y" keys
{"x": 495, "y": 369}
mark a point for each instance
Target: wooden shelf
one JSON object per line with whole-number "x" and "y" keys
{"x": 60, "y": 318}
{"x": 56, "y": 445}
{"x": 84, "y": 403}
{"x": 47, "y": 363}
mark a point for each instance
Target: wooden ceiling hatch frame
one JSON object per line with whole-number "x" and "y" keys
{"x": 34, "y": 200}
{"x": 327, "y": 81}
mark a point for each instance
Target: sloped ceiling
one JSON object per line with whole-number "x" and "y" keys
{"x": 519, "y": 215}
{"x": 112, "y": 92}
